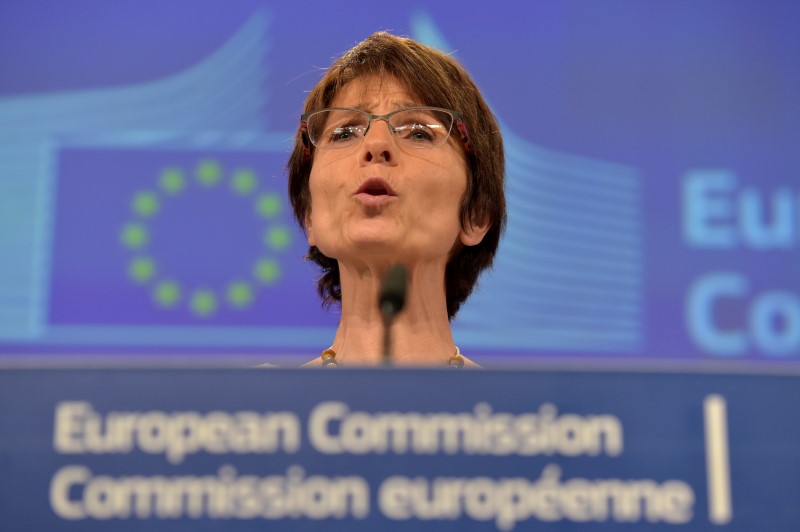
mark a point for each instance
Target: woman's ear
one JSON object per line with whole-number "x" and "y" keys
{"x": 472, "y": 233}
{"x": 309, "y": 229}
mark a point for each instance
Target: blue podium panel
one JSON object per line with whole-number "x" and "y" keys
{"x": 372, "y": 449}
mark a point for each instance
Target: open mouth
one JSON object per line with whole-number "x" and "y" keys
{"x": 375, "y": 186}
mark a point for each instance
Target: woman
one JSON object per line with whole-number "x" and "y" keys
{"x": 398, "y": 160}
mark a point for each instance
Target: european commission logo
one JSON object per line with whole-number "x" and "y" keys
{"x": 237, "y": 188}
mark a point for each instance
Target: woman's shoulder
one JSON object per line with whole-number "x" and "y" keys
{"x": 315, "y": 362}
{"x": 469, "y": 364}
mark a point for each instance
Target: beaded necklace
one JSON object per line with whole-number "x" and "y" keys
{"x": 329, "y": 359}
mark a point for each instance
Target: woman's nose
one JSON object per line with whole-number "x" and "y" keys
{"x": 379, "y": 143}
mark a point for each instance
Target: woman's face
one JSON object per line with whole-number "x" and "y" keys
{"x": 376, "y": 200}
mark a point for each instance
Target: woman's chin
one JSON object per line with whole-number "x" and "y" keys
{"x": 378, "y": 245}
{"x": 360, "y": 245}
{"x": 374, "y": 232}
{"x": 383, "y": 240}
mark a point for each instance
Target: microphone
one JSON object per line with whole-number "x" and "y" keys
{"x": 391, "y": 299}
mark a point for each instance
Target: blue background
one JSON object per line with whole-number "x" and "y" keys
{"x": 606, "y": 109}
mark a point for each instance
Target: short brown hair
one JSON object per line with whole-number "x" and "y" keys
{"x": 436, "y": 80}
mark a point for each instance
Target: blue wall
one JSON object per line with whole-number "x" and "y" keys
{"x": 654, "y": 199}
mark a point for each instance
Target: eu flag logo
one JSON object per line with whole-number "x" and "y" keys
{"x": 177, "y": 237}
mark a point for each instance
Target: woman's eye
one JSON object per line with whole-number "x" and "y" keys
{"x": 422, "y": 133}
{"x": 416, "y": 132}
{"x": 343, "y": 134}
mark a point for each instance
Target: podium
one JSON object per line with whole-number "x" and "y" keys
{"x": 397, "y": 449}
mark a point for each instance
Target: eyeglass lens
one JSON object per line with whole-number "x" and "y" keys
{"x": 417, "y": 128}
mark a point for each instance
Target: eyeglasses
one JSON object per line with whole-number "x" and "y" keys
{"x": 413, "y": 127}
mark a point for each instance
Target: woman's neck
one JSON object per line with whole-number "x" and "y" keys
{"x": 420, "y": 332}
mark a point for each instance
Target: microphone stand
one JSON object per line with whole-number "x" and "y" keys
{"x": 391, "y": 299}
{"x": 387, "y": 340}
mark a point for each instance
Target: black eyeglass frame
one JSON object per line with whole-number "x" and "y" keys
{"x": 458, "y": 121}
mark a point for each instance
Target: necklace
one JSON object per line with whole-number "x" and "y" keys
{"x": 329, "y": 359}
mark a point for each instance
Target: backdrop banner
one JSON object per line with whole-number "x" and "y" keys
{"x": 371, "y": 449}
{"x": 652, "y": 177}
